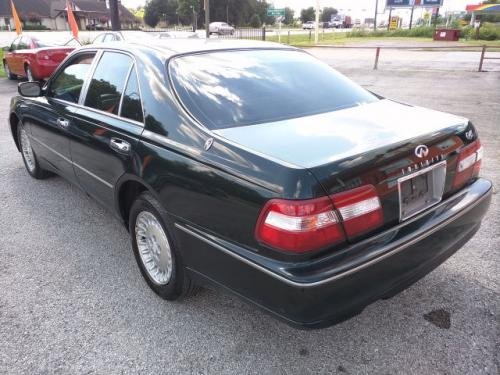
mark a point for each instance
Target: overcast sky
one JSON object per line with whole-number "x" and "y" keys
{"x": 355, "y": 8}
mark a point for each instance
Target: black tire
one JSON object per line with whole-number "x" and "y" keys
{"x": 179, "y": 284}
{"x": 32, "y": 168}
{"x": 9, "y": 75}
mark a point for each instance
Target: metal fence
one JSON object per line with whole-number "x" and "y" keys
{"x": 245, "y": 33}
{"x": 483, "y": 49}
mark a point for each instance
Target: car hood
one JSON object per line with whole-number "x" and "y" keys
{"x": 328, "y": 137}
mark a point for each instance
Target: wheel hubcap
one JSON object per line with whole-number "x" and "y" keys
{"x": 154, "y": 248}
{"x": 28, "y": 156}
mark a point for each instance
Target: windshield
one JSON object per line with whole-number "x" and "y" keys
{"x": 237, "y": 88}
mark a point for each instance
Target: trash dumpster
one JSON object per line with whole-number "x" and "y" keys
{"x": 450, "y": 35}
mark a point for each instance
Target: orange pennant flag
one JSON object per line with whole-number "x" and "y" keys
{"x": 17, "y": 21}
{"x": 72, "y": 21}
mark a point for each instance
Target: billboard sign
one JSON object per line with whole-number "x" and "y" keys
{"x": 410, "y": 3}
{"x": 431, "y": 3}
{"x": 398, "y": 3}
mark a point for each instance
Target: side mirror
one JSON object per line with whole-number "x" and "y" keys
{"x": 30, "y": 89}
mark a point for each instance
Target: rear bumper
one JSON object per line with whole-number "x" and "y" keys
{"x": 325, "y": 291}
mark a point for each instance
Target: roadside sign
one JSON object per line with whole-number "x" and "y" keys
{"x": 394, "y": 23}
{"x": 411, "y": 3}
{"x": 432, "y": 3}
{"x": 276, "y": 12}
{"x": 398, "y": 3}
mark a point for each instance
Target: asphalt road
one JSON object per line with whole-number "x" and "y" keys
{"x": 72, "y": 299}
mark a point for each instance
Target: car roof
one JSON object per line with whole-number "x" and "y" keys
{"x": 169, "y": 47}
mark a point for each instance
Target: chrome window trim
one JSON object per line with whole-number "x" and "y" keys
{"x": 130, "y": 121}
{"x": 61, "y": 68}
{"x": 86, "y": 84}
{"x": 389, "y": 252}
{"x": 125, "y": 87}
{"x": 134, "y": 63}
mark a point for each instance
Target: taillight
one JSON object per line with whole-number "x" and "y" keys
{"x": 43, "y": 56}
{"x": 360, "y": 210}
{"x": 468, "y": 163}
{"x": 299, "y": 226}
{"x": 308, "y": 225}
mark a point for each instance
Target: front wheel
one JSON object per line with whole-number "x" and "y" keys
{"x": 29, "y": 157}
{"x": 156, "y": 255}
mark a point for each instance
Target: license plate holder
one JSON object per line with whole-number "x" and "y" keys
{"x": 421, "y": 190}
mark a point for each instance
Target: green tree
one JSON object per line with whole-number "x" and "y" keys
{"x": 307, "y": 14}
{"x": 255, "y": 21}
{"x": 164, "y": 10}
{"x": 185, "y": 10}
{"x": 326, "y": 14}
{"x": 289, "y": 12}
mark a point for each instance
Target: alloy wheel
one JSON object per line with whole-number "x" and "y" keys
{"x": 154, "y": 248}
{"x": 27, "y": 151}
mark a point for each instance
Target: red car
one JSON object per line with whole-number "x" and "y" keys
{"x": 29, "y": 57}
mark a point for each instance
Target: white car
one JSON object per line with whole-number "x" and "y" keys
{"x": 177, "y": 35}
{"x": 309, "y": 25}
{"x": 220, "y": 28}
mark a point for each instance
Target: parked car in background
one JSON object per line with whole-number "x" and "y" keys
{"x": 31, "y": 58}
{"x": 309, "y": 25}
{"x": 177, "y": 35}
{"x": 340, "y": 21}
{"x": 95, "y": 26}
{"x": 221, "y": 28}
{"x": 257, "y": 168}
{"x": 109, "y": 36}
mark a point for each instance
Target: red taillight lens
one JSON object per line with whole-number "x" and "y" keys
{"x": 299, "y": 226}
{"x": 43, "y": 56}
{"x": 360, "y": 210}
{"x": 468, "y": 164}
{"x": 308, "y": 225}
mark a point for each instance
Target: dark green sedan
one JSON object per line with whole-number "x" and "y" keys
{"x": 254, "y": 167}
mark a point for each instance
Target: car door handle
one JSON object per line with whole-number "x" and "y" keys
{"x": 62, "y": 123}
{"x": 120, "y": 145}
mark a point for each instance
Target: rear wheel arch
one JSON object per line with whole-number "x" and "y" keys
{"x": 26, "y": 66}
{"x": 129, "y": 188}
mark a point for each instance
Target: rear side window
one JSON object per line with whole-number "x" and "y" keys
{"x": 131, "y": 104}
{"x": 24, "y": 43}
{"x": 237, "y": 88}
{"x": 108, "y": 82}
{"x": 15, "y": 44}
{"x": 68, "y": 83}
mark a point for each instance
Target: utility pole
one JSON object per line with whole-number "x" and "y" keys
{"x": 207, "y": 18}
{"x": 375, "y": 17}
{"x": 389, "y": 23}
{"x": 115, "y": 17}
{"x": 316, "y": 28}
{"x": 411, "y": 14}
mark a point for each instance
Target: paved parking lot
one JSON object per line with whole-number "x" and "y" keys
{"x": 73, "y": 301}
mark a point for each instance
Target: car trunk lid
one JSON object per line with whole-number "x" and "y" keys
{"x": 372, "y": 144}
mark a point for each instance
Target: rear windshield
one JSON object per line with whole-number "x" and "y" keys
{"x": 238, "y": 88}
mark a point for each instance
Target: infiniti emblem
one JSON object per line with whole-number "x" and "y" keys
{"x": 421, "y": 151}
